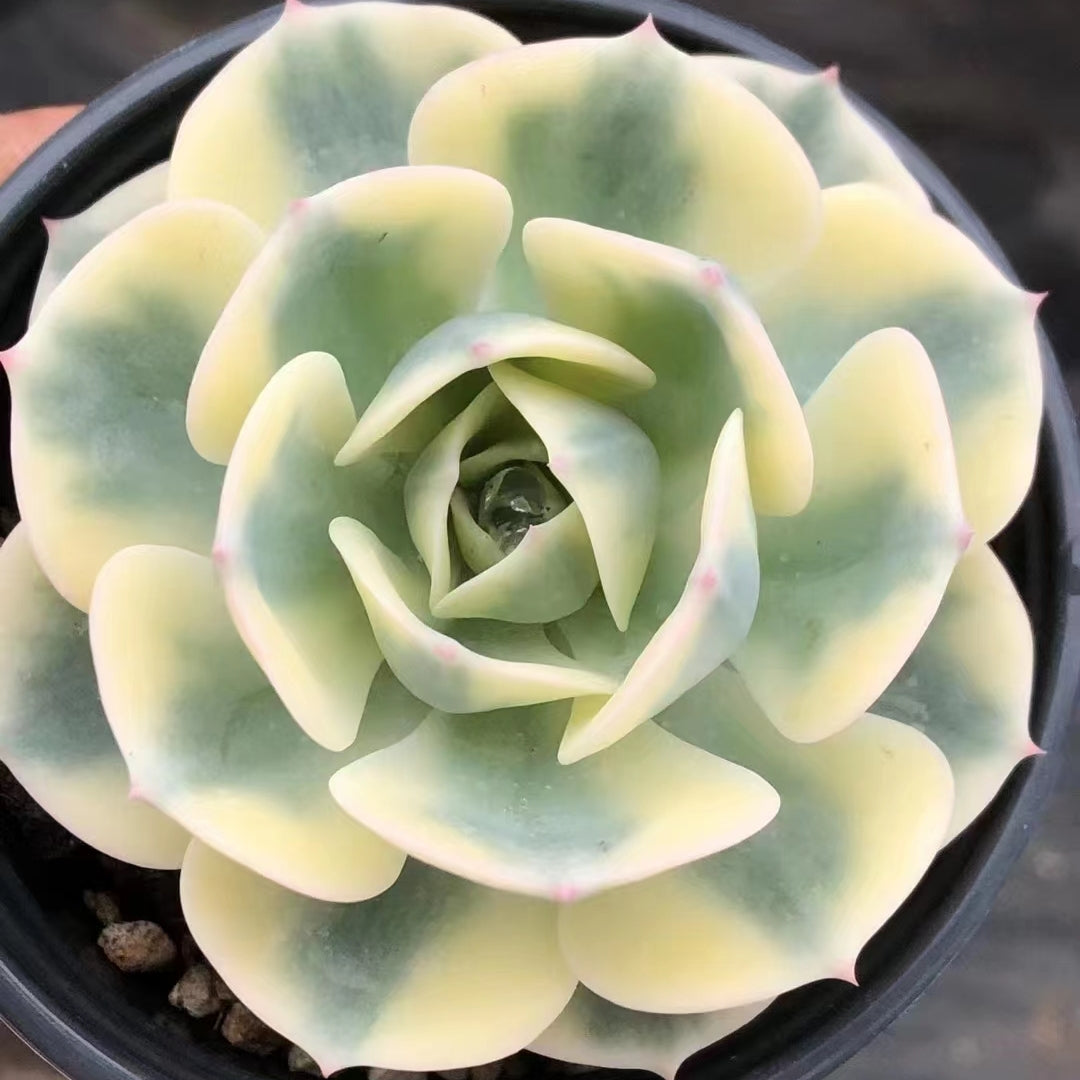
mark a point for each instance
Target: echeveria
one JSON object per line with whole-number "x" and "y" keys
{"x": 502, "y": 511}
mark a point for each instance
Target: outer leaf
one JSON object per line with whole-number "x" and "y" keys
{"x": 842, "y": 145}
{"x": 208, "y": 741}
{"x": 484, "y": 797}
{"x": 610, "y": 469}
{"x": 435, "y": 974}
{"x": 706, "y": 346}
{"x": 968, "y": 683}
{"x": 98, "y": 447}
{"x": 592, "y": 1031}
{"x": 562, "y": 354}
{"x": 71, "y": 238}
{"x": 862, "y": 815}
{"x": 850, "y": 585}
{"x": 498, "y": 669}
{"x": 881, "y": 262}
{"x": 53, "y": 733}
{"x": 563, "y": 124}
{"x": 290, "y": 596}
{"x": 327, "y": 94}
{"x": 416, "y": 244}
{"x": 708, "y": 623}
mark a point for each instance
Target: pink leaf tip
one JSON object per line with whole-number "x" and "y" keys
{"x": 707, "y": 579}
{"x": 713, "y": 276}
{"x": 8, "y": 359}
{"x": 136, "y": 793}
{"x": 483, "y": 351}
{"x": 1031, "y": 749}
{"x": 1035, "y": 300}
{"x": 831, "y": 74}
{"x": 293, "y": 8}
{"x": 51, "y": 225}
{"x": 647, "y": 28}
{"x": 565, "y": 894}
{"x": 220, "y": 555}
{"x": 964, "y": 535}
{"x": 846, "y": 973}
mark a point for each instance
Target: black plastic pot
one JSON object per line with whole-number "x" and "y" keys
{"x": 94, "y": 1025}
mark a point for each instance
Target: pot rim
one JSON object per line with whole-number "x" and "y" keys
{"x": 90, "y": 1040}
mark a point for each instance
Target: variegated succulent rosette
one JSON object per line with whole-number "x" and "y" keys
{"x": 514, "y": 519}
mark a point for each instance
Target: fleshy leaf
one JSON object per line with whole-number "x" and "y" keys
{"x": 361, "y": 271}
{"x": 290, "y": 596}
{"x": 208, "y": 741}
{"x": 71, "y": 238}
{"x": 708, "y": 623}
{"x": 850, "y": 585}
{"x": 592, "y": 1031}
{"x": 491, "y": 665}
{"x": 98, "y": 446}
{"x": 967, "y": 685}
{"x": 569, "y": 357}
{"x": 862, "y": 815}
{"x": 549, "y": 574}
{"x": 881, "y": 262}
{"x": 564, "y": 125}
{"x": 484, "y": 797}
{"x": 326, "y": 94}
{"x": 843, "y": 146}
{"x": 437, "y": 973}
{"x": 53, "y": 733}
{"x": 685, "y": 319}
{"x": 429, "y": 489}
{"x": 609, "y": 467}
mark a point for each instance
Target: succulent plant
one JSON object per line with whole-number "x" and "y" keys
{"x": 514, "y": 520}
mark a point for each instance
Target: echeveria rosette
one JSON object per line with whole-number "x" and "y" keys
{"x": 517, "y": 518}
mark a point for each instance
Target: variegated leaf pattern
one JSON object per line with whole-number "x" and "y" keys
{"x": 501, "y": 517}
{"x": 861, "y": 816}
{"x": 326, "y": 95}
{"x": 436, "y": 973}
{"x": 843, "y": 146}
{"x": 209, "y": 742}
{"x": 98, "y": 387}
{"x": 563, "y": 125}
{"x": 882, "y": 262}
{"x": 484, "y": 797}
{"x": 593, "y": 1031}
{"x": 53, "y": 733}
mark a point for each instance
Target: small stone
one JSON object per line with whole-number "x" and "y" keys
{"x": 137, "y": 947}
{"x": 244, "y": 1030}
{"x": 302, "y": 1062}
{"x": 104, "y": 906}
{"x": 393, "y": 1074}
{"x": 196, "y": 992}
{"x": 491, "y": 1071}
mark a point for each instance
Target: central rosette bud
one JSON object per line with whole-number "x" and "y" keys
{"x": 515, "y": 499}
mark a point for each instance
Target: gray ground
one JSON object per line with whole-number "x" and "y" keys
{"x": 992, "y": 90}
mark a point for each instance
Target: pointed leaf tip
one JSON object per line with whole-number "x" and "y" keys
{"x": 845, "y": 972}
{"x": 713, "y": 276}
{"x": 1036, "y": 300}
{"x": 1031, "y": 749}
{"x": 964, "y": 535}
{"x": 647, "y": 28}
{"x": 831, "y": 74}
{"x": 293, "y": 8}
{"x": 50, "y": 225}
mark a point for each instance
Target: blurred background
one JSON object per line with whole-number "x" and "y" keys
{"x": 991, "y": 90}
